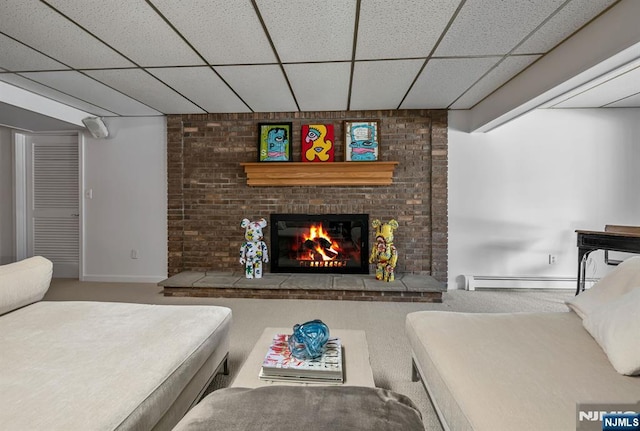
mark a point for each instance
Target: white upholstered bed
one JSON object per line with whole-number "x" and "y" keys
{"x": 99, "y": 365}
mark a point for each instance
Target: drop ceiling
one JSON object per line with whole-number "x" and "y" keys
{"x": 113, "y": 58}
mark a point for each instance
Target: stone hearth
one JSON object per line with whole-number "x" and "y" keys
{"x": 348, "y": 287}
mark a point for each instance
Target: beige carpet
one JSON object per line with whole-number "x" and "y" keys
{"x": 383, "y": 322}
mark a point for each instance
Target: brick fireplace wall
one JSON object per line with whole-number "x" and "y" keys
{"x": 208, "y": 195}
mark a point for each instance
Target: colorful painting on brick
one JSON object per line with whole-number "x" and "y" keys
{"x": 275, "y": 142}
{"x": 317, "y": 143}
{"x": 362, "y": 141}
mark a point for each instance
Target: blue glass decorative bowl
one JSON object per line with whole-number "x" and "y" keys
{"x": 308, "y": 339}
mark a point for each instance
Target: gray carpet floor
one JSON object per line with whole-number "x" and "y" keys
{"x": 383, "y": 322}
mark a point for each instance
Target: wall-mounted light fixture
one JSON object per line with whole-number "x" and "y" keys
{"x": 96, "y": 127}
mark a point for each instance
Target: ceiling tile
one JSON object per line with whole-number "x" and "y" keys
{"x": 146, "y": 89}
{"x": 562, "y": 25}
{"x": 85, "y": 88}
{"x": 435, "y": 89}
{"x": 609, "y": 91}
{"x": 320, "y": 87}
{"x": 494, "y": 79}
{"x": 132, "y": 28}
{"x": 81, "y": 51}
{"x": 494, "y": 27}
{"x": 263, "y": 88}
{"x": 43, "y": 39}
{"x": 410, "y": 28}
{"x": 382, "y": 84}
{"x": 310, "y": 30}
{"x": 203, "y": 86}
{"x": 17, "y": 57}
{"x": 222, "y": 31}
{"x": 42, "y": 90}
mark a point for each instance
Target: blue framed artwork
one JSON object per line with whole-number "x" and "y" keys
{"x": 361, "y": 141}
{"x": 274, "y": 143}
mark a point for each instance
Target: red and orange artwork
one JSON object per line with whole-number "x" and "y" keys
{"x": 317, "y": 143}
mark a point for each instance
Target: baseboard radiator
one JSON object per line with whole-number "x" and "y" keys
{"x": 473, "y": 282}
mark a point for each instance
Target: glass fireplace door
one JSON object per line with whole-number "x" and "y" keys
{"x": 326, "y": 243}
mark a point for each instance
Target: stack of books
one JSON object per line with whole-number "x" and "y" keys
{"x": 280, "y": 365}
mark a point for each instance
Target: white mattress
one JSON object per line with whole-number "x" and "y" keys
{"x": 513, "y": 371}
{"x": 99, "y": 365}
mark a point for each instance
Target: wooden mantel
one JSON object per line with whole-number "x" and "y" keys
{"x": 319, "y": 174}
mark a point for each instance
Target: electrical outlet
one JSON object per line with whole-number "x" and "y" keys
{"x": 134, "y": 254}
{"x": 552, "y": 259}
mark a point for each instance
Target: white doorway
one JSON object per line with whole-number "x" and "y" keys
{"x": 48, "y": 221}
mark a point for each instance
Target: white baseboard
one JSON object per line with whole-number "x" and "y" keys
{"x": 124, "y": 278}
{"x": 473, "y": 282}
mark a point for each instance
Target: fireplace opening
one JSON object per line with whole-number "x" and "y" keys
{"x": 320, "y": 243}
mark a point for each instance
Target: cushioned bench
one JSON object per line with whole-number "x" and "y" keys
{"x": 528, "y": 371}
{"x": 100, "y": 365}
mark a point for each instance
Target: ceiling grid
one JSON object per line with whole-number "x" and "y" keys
{"x": 156, "y": 57}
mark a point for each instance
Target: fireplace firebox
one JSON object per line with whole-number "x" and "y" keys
{"x": 320, "y": 243}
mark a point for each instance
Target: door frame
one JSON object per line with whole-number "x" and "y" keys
{"x": 20, "y": 194}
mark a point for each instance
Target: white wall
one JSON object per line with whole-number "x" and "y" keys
{"x": 519, "y": 192}
{"x": 7, "y": 249}
{"x": 128, "y": 178}
{"x": 516, "y": 194}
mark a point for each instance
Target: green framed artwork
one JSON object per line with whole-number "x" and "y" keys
{"x": 274, "y": 142}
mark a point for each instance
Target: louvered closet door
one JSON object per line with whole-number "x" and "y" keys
{"x": 54, "y": 228}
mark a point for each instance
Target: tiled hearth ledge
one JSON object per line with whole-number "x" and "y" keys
{"x": 348, "y": 287}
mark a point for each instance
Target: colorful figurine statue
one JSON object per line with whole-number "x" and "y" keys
{"x": 254, "y": 250}
{"x": 383, "y": 252}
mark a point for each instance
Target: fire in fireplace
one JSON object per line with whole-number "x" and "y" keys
{"x": 320, "y": 243}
